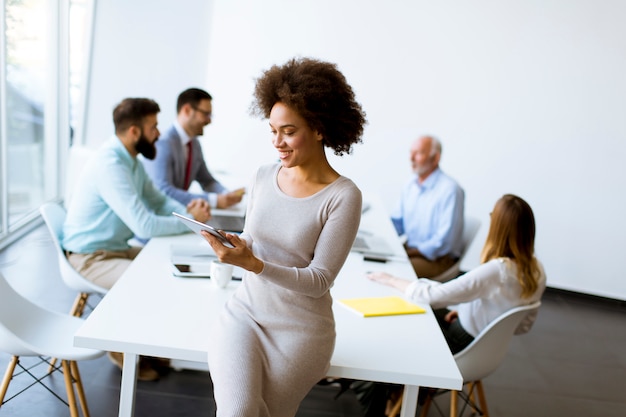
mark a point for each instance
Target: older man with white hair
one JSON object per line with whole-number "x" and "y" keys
{"x": 430, "y": 212}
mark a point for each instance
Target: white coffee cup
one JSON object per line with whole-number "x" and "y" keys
{"x": 221, "y": 273}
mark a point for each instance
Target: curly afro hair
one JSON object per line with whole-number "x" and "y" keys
{"x": 319, "y": 93}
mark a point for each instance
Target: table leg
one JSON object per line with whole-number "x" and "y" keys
{"x": 409, "y": 401}
{"x": 129, "y": 383}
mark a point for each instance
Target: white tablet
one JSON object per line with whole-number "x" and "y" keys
{"x": 197, "y": 227}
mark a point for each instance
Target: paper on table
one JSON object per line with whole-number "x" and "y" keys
{"x": 381, "y": 306}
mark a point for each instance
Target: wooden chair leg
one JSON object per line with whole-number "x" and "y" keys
{"x": 453, "y": 403}
{"x": 79, "y": 388}
{"x": 53, "y": 362}
{"x": 69, "y": 387}
{"x": 77, "y": 311}
{"x": 472, "y": 398}
{"x": 481, "y": 398}
{"x": 8, "y": 375}
{"x": 79, "y": 304}
{"x": 395, "y": 409}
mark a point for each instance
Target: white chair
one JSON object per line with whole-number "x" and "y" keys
{"x": 29, "y": 330}
{"x": 479, "y": 359}
{"x": 54, "y": 216}
{"x": 470, "y": 229}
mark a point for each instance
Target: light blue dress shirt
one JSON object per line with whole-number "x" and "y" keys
{"x": 115, "y": 200}
{"x": 431, "y": 215}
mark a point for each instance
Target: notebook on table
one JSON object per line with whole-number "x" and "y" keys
{"x": 381, "y": 306}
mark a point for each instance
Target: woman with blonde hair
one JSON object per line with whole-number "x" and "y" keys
{"x": 509, "y": 276}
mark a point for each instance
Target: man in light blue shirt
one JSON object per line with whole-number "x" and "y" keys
{"x": 116, "y": 200}
{"x": 430, "y": 212}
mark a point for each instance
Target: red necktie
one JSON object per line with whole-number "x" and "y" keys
{"x": 188, "y": 169}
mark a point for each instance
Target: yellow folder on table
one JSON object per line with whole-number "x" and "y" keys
{"x": 381, "y": 306}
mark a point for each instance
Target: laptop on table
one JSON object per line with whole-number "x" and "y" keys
{"x": 227, "y": 222}
{"x": 371, "y": 245}
{"x": 230, "y": 219}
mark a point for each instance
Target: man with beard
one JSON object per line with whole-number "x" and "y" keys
{"x": 179, "y": 160}
{"x": 116, "y": 200}
{"x": 430, "y": 212}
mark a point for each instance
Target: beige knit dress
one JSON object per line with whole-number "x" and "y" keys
{"x": 277, "y": 333}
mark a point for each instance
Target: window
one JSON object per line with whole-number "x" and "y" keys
{"x": 38, "y": 79}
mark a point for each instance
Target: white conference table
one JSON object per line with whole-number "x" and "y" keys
{"x": 153, "y": 313}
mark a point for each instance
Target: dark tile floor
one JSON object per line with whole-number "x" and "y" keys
{"x": 573, "y": 362}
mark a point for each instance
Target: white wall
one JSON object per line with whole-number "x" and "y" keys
{"x": 144, "y": 48}
{"x": 527, "y": 97}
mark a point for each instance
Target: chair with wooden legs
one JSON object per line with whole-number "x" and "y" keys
{"x": 27, "y": 329}
{"x": 479, "y": 360}
{"x": 54, "y": 216}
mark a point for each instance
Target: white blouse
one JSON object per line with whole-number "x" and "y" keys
{"x": 480, "y": 295}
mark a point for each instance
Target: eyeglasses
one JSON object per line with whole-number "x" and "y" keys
{"x": 206, "y": 114}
